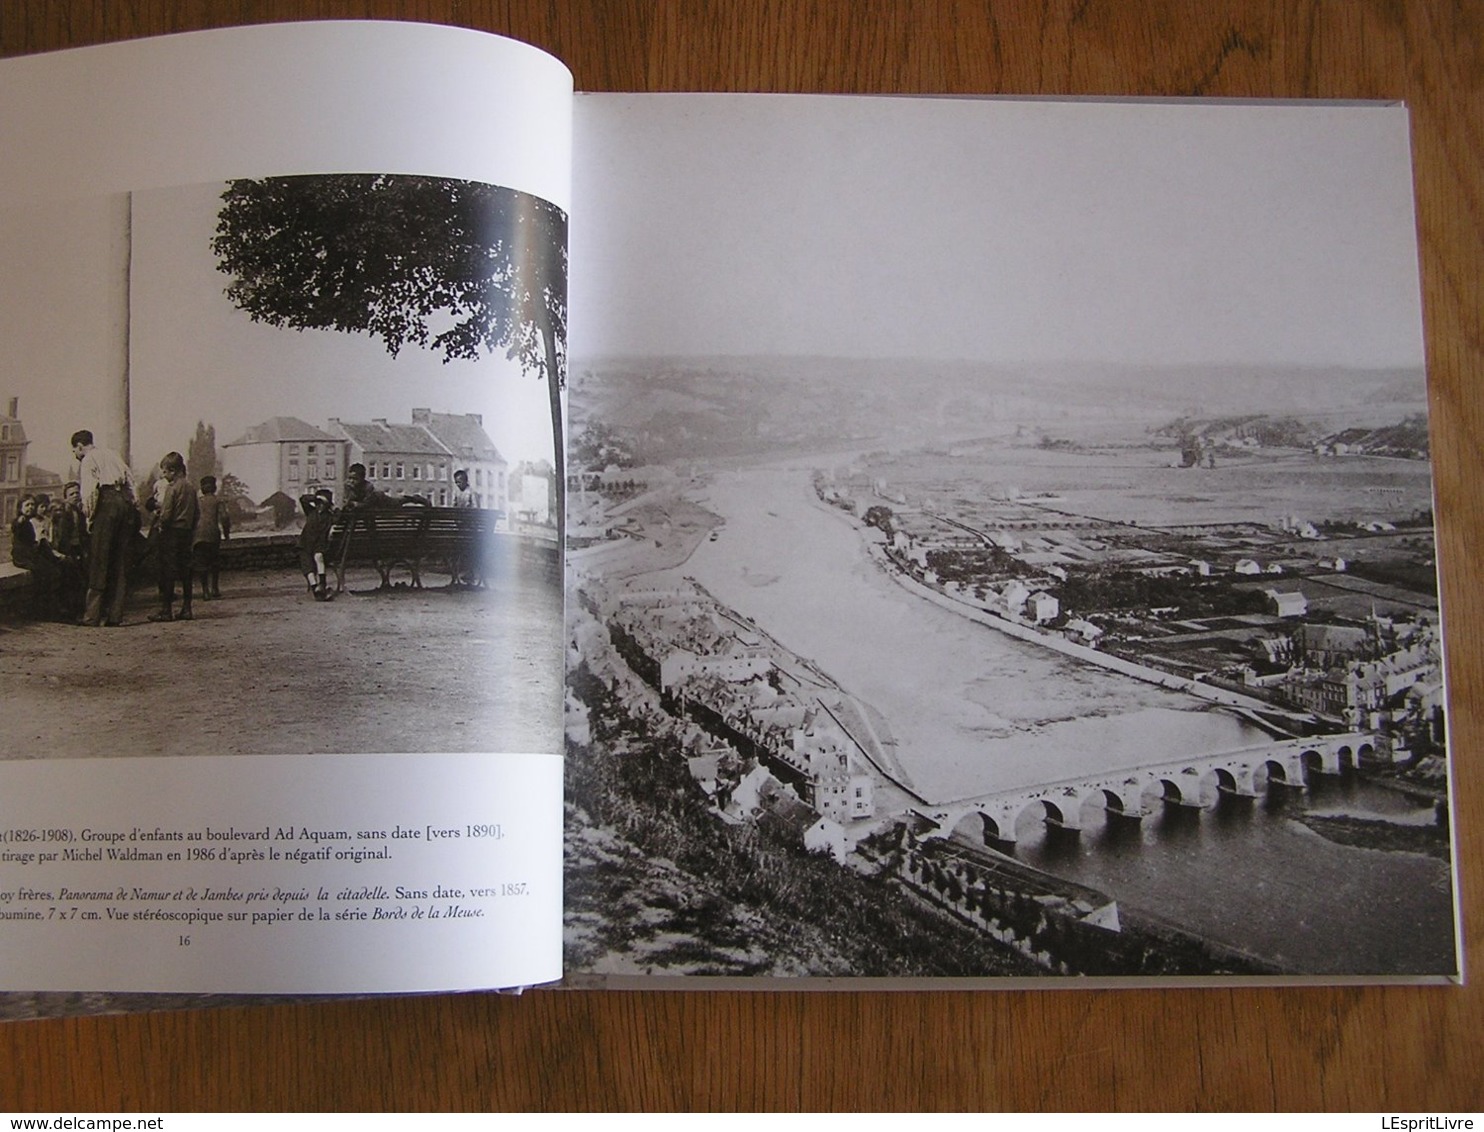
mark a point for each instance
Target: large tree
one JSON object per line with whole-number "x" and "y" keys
{"x": 457, "y": 267}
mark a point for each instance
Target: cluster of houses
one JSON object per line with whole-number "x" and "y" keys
{"x": 288, "y": 456}
{"x": 717, "y": 670}
{"x": 1384, "y": 675}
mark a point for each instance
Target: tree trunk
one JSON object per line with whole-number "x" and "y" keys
{"x": 558, "y": 433}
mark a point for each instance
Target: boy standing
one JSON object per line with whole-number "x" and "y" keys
{"x": 213, "y": 524}
{"x": 178, "y": 511}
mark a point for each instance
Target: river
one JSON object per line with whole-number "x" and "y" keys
{"x": 973, "y": 710}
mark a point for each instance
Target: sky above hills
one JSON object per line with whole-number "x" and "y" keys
{"x": 995, "y": 230}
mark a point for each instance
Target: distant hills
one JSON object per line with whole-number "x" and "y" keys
{"x": 680, "y": 408}
{"x": 1405, "y": 439}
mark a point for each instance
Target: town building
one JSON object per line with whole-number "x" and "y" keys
{"x": 421, "y": 456}
{"x": 400, "y": 459}
{"x": 819, "y": 751}
{"x": 13, "y": 445}
{"x": 1286, "y": 603}
{"x": 1355, "y": 692}
{"x": 284, "y": 455}
{"x": 463, "y": 435}
{"x": 1014, "y": 594}
{"x": 530, "y": 494}
{"x": 715, "y": 672}
{"x": 1042, "y": 606}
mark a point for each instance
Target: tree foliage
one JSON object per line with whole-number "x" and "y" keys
{"x": 201, "y": 458}
{"x": 878, "y": 516}
{"x": 457, "y": 267}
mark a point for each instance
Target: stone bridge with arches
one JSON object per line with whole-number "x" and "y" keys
{"x": 1246, "y": 772}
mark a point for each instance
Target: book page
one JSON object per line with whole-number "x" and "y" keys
{"x": 1004, "y": 545}
{"x": 284, "y": 314}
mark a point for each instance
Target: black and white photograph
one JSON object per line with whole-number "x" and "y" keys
{"x": 1000, "y": 544}
{"x": 281, "y": 469}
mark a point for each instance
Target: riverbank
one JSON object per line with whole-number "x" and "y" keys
{"x": 1024, "y": 631}
{"x": 1377, "y": 833}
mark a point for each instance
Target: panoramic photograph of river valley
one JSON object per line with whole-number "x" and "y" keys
{"x": 1087, "y": 662}
{"x": 1000, "y": 545}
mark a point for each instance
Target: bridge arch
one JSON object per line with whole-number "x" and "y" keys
{"x": 1106, "y": 798}
{"x": 1180, "y": 791}
{"x": 1049, "y": 812}
{"x": 1226, "y": 781}
{"x": 1270, "y": 777}
{"x": 987, "y": 828}
{"x": 1313, "y": 763}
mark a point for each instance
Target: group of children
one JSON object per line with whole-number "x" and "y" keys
{"x": 190, "y": 527}
{"x": 191, "y": 521}
{"x": 48, "y": 539}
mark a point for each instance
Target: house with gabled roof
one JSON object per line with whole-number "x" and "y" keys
{"x": 400, "y": 459}
{"x": 464, "y": 436}
{"x": 285, "y": 454}
{"x": 421, "y": 457}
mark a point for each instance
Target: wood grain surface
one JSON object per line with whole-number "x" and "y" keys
{"x": 1373, "y": 1048}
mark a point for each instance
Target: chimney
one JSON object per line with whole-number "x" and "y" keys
{"x": 379, "y": 421}
{"x": 422, "y": 416}
{"x": 14, "y": 411}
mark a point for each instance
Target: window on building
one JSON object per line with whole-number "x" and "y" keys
{"x": 293, "y": 471}
{"x": 417, "y": 471}
{"x": 478, "y": 500}
{"x": 386, "y": 471}
{"x": 501, "y": 476}
{"x": 443, "y": 497}
{"x": 399, "y": 472}
{"x": 443, "y": 471}
{"x": 4, "y": 432}
{"x": 312, "y": 450}
{"x": 479, "y": 477}
{"x": 293, "y": 449}
{"x": 329, "y": 471}
{"x": 13, "y": 467}
{"x": 314, "y": 469}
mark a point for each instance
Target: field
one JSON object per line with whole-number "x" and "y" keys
{"x": 1145, "y": 486}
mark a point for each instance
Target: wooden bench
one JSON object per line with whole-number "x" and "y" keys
{"x": 457, "y": 541}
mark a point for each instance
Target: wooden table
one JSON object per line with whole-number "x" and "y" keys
{"x": 1391, "y": 1049}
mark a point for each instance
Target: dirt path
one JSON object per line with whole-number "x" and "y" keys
{"x": 267, "y": 670}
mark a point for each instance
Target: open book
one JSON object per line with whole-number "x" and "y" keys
{"x": 892, "y": 538}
